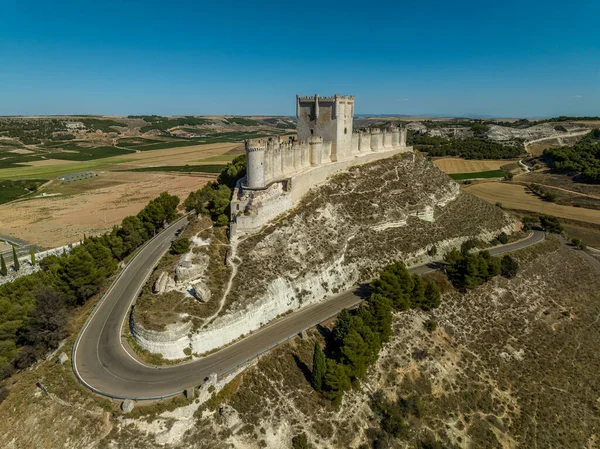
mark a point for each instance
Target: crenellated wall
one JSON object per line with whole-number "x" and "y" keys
{"x": 275, "y": 159}
{"x": 253, "y": 208}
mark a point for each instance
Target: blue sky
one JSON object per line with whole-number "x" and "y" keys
{"x": 510, "y": 58}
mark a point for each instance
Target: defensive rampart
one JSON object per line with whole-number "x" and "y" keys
{"x": 292, "y": 168}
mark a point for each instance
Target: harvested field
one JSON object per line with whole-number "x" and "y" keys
{"x": 89, "y": 207}
{"x": 451, "y": 165}
{"x": 177, "y": 156}
{"x": 557, "y": 180}
{"x": 514, "y": 196}
{"x": 51, "y": 168}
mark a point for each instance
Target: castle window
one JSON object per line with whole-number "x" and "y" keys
{"x": 345, "y": 130}
{"x": 312, "y": 131}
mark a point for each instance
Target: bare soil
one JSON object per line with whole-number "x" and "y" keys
{"x": 451, "y": 165}
{"x": 89, "y": 207}
{"x": 515, "y": 196}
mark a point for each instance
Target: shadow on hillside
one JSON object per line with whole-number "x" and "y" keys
{"x": 303, "y": 367}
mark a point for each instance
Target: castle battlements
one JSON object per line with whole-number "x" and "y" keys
{"x": 286, "y": 168}
{"x": 275, "y": 158}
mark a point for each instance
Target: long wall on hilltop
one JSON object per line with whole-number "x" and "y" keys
{"x": 275, "y": 159}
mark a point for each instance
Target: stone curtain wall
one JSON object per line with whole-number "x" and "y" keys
{"x": 253, "y": 209}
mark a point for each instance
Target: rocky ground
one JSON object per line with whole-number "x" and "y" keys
{"x": 342, "y": 233}
{"x": 358, "y": 222}
{"x": 512, "y": 363}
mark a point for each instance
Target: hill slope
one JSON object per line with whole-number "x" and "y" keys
{"x": 341, "y": 233}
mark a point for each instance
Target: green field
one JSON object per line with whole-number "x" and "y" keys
{"x": 11, "y": 190}
{"x": 182, "y": 168}
{"x": 481, "y": 174}
{"x": 53, "y": 171}
{"x": 77, "y": 153}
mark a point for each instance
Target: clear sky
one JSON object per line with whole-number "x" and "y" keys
{"x": 509, "y": 58}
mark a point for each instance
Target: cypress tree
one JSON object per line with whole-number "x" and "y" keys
{"x": 319, "y": 368}
{"x": 3, "y": 270}
{"x": 32, "y": 253}
{"x": 16, "y": 260}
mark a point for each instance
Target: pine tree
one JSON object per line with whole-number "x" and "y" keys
{"x": 3, "y": 270}
{"x": 432, "y": 296}
{"x": 32, "y": 253}
{"x": 319, "y": 368}
{"x": 16, "y": 260}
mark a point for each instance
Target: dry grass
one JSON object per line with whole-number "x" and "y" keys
{"x": 157, "y": 311}
{"x": 537, "y": 148}
{"x": 452, "y": 165}
{"x": 514, "y": 196}
{"x": 89, "y": 207}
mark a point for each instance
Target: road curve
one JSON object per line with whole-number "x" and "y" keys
{"x": 102, "y": 364}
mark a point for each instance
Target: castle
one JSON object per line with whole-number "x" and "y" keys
{"x": 280, "y": 171}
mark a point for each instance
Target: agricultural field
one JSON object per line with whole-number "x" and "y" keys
{"x": 12, "y": 190}
{"x": 515, "y": 196}
{"x": 89, "y": 207}
{"x": 451, "y": 165}
{"x": 182, "y": 169}
{"x": 124, "y": 185}
{"x": 478, "y": 175}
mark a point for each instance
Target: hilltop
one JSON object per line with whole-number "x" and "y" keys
{"x": 342, "y": 233}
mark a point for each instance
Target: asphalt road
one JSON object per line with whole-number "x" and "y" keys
{"x": 101, "y": 362}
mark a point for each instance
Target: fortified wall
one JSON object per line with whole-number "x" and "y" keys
{"x": 280, "y": 171}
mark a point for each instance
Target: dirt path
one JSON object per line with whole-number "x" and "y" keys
{"x": 561, "y": 136}
{"x": 596, "y": 197}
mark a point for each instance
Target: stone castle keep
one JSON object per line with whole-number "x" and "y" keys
{"x": 280, "y": 171}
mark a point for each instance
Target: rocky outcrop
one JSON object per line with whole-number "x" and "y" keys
{"x": 161, "y": 283}
{"x": 342, "y": 233}
{"x": 201, "y": 291}
{"x": 190, "y": 267}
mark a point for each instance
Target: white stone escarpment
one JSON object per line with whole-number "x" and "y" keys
{"x": 170, "y": 342}
{"x": 344, "y": 232}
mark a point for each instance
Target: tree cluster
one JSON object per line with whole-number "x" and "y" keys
{"x": 214, "y": 198}
{"x": 583, "y": 158}
{"x": 551, "y": 224}
{"x": 165, "y": 123}
{"x": 468, "y": 148}
{"x": 358, "y": 334}
{"x": 35, "y": 307}
{"x": 180, "y": 246}
{"x": 468, "y": 270}
{"x": 541, "y": 192}
{"x": 30, "y": 131}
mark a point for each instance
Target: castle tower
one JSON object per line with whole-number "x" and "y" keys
{"x": 255, "y": 163}
{"x": 329, "y": 118}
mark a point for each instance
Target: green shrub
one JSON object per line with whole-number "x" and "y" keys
{"x": 431, "y": 325}
{"x": 222, "y": 220}
{"x": 509, "y": 267}
{"x": 319, "y": 368}
{"x": 468, "y": 270}
{"x": 180, "y": 246}
{"x": 551, "y": 224}
{"x": 300, "y": 441}
{"x": 16, "y": 263}
{"x": 503, "y": 238}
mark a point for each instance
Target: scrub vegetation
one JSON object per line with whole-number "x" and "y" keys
{"x": 35, "y": 308}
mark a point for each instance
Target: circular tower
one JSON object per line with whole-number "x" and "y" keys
{"x": 255, "y": 163}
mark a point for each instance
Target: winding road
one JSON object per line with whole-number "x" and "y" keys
{"x": 101, "y": 362}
